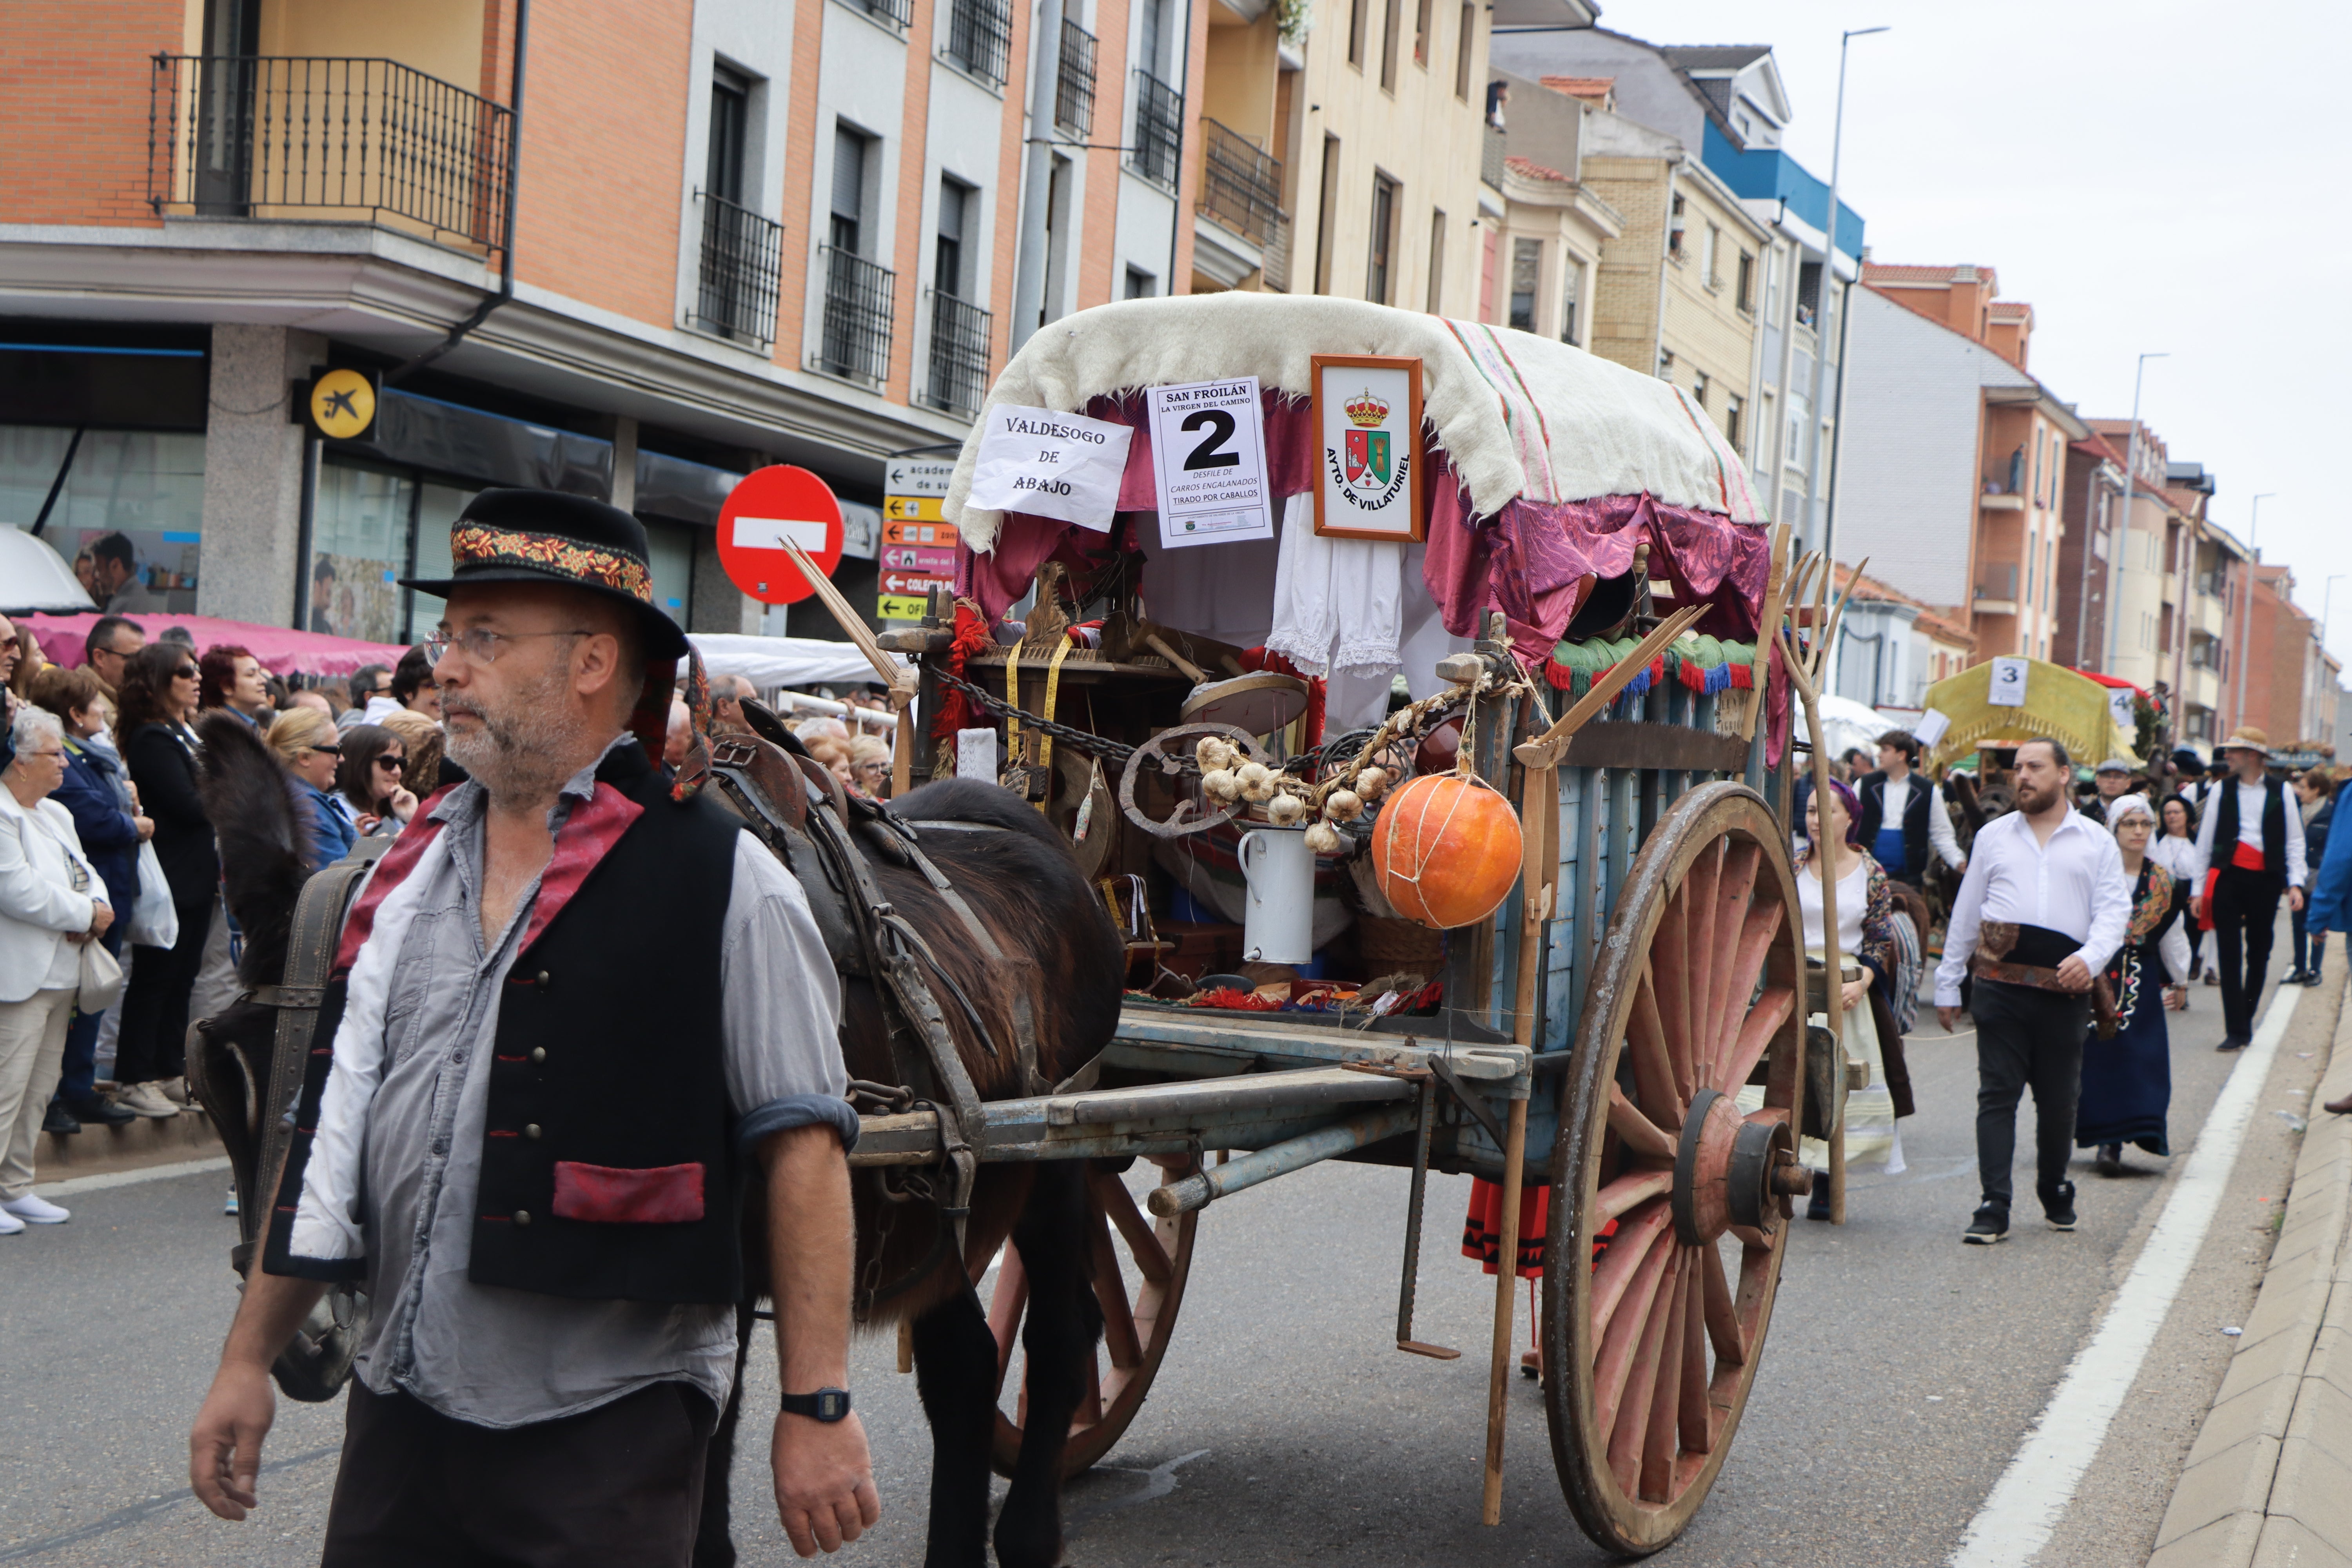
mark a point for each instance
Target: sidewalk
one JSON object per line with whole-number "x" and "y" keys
{"x": 2269, "y": 1480}
{"x": 100, "y": 1150}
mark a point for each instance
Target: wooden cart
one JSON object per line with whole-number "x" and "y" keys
{"x": 1597, "y": 1032}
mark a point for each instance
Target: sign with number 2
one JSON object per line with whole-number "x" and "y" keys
{"x": 1208, "y": 463}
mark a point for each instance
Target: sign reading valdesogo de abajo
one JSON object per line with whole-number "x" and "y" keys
{"x": 769, "y": 506}
{"x": 1208, "y": 463}
{"x": 917, "y": 552}
{"x": 1367, "y": 423}
{"x": 1061, "y": 466}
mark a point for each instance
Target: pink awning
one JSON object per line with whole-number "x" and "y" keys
{"x": 280, "y": 650}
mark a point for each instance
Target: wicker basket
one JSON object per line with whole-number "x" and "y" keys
{"x": 1399, "y": 946}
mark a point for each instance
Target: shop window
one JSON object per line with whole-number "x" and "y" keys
{"x": 370, "y": 528}
{"x": 669, "y": 549}
{"x": 147, "y": 486}
{"x": 1527, "y": 266}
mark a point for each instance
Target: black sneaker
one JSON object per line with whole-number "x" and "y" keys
{"x": 2058, "y": 1205}
{"x": 1990, "y": 1226}
{"x": 60, "y": 1119}
{"x": 2232, "y": 1043}
{"x": 2111, "y": 1160}
{"x": 104, "y": 1112}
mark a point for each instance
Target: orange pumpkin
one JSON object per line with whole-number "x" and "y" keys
{"x": 1446, "y": 850}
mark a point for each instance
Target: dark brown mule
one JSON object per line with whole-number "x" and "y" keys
{"x": 1056, "y": 958}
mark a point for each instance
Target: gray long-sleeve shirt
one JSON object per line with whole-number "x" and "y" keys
{"x": 499, "y": 1357}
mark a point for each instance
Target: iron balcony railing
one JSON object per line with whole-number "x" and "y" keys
{"x": 856, "y": 316}
{"x": 979, "y": 37}
{"x": 1491, "y": 155}
{"x": 1073, "y": 91}
{"x": 1159, "y": 130}
{"x": 742, "y": 274}
{"x": 959, "y": 354}
{"x": 892, "y": 14}
{"x": 1241, "y": 187}
{"x": 308, "y": 137}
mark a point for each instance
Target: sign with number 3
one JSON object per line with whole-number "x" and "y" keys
{"x": 1208, "y": 463}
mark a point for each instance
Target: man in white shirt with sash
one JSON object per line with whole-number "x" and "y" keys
{"x": 2041, "y": 909}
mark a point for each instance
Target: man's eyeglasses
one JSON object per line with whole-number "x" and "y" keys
{"x": 481, "y": 643}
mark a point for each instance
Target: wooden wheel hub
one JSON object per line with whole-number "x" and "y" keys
{"x": 1701, "y": 1196}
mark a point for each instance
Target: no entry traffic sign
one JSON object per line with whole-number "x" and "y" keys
{"x": 770, "y": 506}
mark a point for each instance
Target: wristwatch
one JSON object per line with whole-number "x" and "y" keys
{"x": 826, "y": 1405}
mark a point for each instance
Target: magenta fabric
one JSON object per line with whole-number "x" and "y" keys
{"x": 282, "y": 650}
{"x": 1533, "y": 560}
{"x": 611, "y": 1194}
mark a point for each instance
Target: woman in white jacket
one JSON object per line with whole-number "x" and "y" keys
{"x": 51, "y": 901}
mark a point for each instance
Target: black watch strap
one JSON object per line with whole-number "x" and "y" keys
{"x": 826, "y": 1405}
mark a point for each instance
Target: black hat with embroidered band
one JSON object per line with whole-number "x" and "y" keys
{"x": 546, "y": 536}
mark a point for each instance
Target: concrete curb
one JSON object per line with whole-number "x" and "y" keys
{"x": 2269, "y": 1480}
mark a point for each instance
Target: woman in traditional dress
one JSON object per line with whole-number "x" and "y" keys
{"x": 2128, "y": 1080}
{"x": 1865, "y": 937}
{"x": 2174, "y": 847}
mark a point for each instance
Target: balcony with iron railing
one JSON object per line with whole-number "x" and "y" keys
{"x": 960, "y": 331}
{"x": 740, "y": 277}
{"x": 1241, "y": 184}
{"x": 892, "y": 14}
{"x": 1074, "y": 89}
{"x": 309, "y": 137}
{"x": 857, "y": 308}
{"x": 1158, "y": 148}
{"x": 979, "y": 37}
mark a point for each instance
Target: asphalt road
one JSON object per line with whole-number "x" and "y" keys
{"x": 1901, "y": 1373}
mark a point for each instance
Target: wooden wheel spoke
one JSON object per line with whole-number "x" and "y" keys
{"x": 1005, "y": 1305}
{"x": 1756, "y": 931}
{"x": 1653, "y": 1072}
{"x": 1621, "y": 1260}
{"x": 1658, "y": 1438}
{"x": 1697, "y": 1422}
{"x": 1629, "y": 1432}
{"x": 1722, "y": 1322}
{"x": 1764, "y": 1021}
{"x": 1090, "y": 1409}
{"x": 1630, "y": 1190}
{"x": 1142, "y": 1241}
{"x": 1700, "y": 960}
{"x": 1110, "y": 1291}
{"x": 1726, "y": 992}
{"x": 1621, "y": 1340}
{"x": 1639, "y": 1134}
{"x": 1670, "y": 986}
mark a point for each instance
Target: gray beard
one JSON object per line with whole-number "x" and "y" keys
{"x": 521, "y": 752}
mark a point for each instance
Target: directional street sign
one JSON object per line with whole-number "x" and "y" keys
{"x": 916, "y": 476}
{"x": 912, "y": 508}
{"x": 769, "y": 507}
{"x": 891, "y": 607}
{"x": 912, "y": 582}
{"x": 936, "y": 561}
{"x": 939, "y": 533}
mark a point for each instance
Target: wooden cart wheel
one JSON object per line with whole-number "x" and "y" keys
{"x": 1655, "y": 1324}
{"x": 1141, "y": 1266}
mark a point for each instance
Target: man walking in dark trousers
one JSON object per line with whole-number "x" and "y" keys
{"x": 2041, "y": 909}
{"x": 2249, "y": 851}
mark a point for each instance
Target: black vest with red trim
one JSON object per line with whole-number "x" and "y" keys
{"x": 609, "y": 1168}
{"x": 2225, "y": 826}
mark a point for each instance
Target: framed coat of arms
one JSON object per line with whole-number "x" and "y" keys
{"x": 1368, "y": 422}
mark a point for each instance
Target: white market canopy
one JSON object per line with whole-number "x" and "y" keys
{"x": 770, "y": 662}
{"x": 35, "y": 577}
{"x": 1517, "y": 414}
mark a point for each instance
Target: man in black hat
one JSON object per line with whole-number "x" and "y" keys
{"x": 576, "y": 1009}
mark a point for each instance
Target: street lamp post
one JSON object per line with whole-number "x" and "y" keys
{"x": 2246, "y": 631}
{"x": 2131, "y": 493}
{"x": 1821, "y": 297}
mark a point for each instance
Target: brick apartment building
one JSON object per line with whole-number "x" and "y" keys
{"x": 715, "y": 233}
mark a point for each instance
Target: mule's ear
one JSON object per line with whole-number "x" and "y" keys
{"x": 770, "y": 728}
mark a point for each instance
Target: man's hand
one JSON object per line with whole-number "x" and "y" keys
{"x": 101, "y": 917}
{"x": 2295, "y": 898}
{"x": 2197, "y": 908}
{"x": 224, "y": 1446}
{"x": 824, "y": 1481}
{"x": 1949, "y": 1018}
{"x": 2074, "y": 973}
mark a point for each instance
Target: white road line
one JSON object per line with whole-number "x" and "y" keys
{"x": 2023, "y": 1508}
{"x": 72, "y": 1185}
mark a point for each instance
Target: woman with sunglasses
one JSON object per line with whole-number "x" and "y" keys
{"x": 158, "y": 698}
{"x": 310, "y": 751}
{"x": 367, "y": 785}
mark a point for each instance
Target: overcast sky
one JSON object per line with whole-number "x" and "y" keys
{"x": 2152, "y": 177}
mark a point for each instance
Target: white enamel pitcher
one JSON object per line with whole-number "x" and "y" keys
{"x": 1279, "y": 925}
